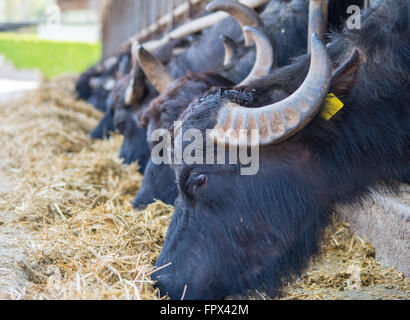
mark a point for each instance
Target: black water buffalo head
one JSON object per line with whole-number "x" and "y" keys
{"x": 223, "y": 218}
{"x": 114, "y": 99}
{"x": 129, "y": 99}
{"x": 109, "y": 91}
{"x": 106, "y": 124}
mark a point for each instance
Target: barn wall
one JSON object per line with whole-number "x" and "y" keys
{"x": 124, "y": 18}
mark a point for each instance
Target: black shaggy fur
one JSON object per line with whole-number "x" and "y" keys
{"x": 231, "y": 234}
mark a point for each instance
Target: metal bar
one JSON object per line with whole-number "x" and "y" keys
{"x": 184, "y": 30}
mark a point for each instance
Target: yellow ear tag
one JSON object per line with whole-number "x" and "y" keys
{"x": 331, "y": 107}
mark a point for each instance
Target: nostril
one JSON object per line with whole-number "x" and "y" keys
{"x": 167, "y": 285}
{"x": 155, "y": 276}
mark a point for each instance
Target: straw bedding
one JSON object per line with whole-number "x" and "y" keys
{"x": 72, "y": 196}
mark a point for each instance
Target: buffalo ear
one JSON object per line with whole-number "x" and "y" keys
{"x": 344, "y": 77}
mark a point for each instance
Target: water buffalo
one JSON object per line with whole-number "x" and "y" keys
{"x": 232, "y": 233}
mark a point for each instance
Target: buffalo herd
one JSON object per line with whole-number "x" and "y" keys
{"x": 316, "y": 92}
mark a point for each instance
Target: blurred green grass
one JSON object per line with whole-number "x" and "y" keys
{"x": 53, "y": 58}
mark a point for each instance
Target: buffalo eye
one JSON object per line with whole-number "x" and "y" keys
{"x": 195, "y": 182}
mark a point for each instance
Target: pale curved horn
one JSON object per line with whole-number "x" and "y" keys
{"x": 244, "y": 15}
{"x": 230, "y": 49}
{"x": 264, "y": 55}
{"x": 283, "y": 119}
{"x": 129, "y": 91}
{"x": 155, "y": 71}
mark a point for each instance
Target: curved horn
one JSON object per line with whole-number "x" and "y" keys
{"x": 243, "y": 14}
{"x": 129, "y": 91}
{"x": 155, "y": 71}
{"x": 283, "y": 119}
{"x": 230, "y": 49}
{"x": 318, "y": 15}
{"x": 264, "y": 55}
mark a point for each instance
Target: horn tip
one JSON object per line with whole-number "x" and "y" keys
{"x": 251, "y": 30}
